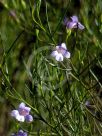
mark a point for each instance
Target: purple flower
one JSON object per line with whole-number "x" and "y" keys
{"x": 73, "y": 23}
{"x": 20, "y": 133}
{"x": 22, "y": 113}
{"x": 61, "y": 52}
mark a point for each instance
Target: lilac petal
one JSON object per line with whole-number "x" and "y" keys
{"x": 27, "y": 109}
{"x": 74, "y": 19}
{"x": 29, "y": 118}
{"x": 71, "y": 25}
{"x": 22, "y": 105}
{"x": 63, "y": 45}
{"x": 24, "y": 134}
{"x": 59, "y": 57}
{"x": 14, "y": 113}
{"x": 20, "y": 118}
{"x": 54, "y": 53}
{"x": 21, "y": 133}
{"x": 67, "y": 54}
{"x": 80, "y": 26}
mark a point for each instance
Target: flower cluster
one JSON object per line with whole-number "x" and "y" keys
{"x": 61, "y": 51}
{"x": 20, "y": 133}
{"x": 22, "y": 113}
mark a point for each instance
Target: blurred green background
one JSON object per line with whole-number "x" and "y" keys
{"x": 56, "y": 92}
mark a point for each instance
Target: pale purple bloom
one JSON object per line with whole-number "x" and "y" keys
{"x": 61, "y": 52}
{"x": 20, "y": 133}
{"x": 73, "y": 23}
{"x": 22, "y": 113}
